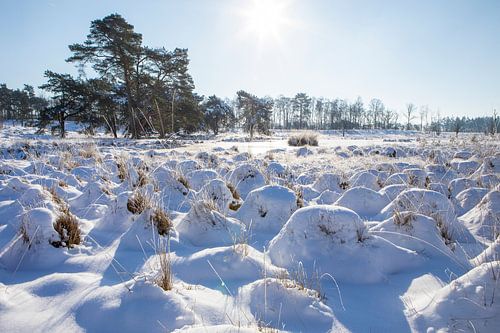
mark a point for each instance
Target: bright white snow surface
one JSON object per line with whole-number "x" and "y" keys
{"x": 375, "y": 232}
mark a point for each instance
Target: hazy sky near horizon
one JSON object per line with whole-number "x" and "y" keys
{"x": 440, "y": 53}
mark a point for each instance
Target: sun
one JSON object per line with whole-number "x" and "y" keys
{"x": 266, "y": 19}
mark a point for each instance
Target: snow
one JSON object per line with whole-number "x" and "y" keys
{"x": 364, "y": 201}
{"x": 372, "y": 232}
{"x": 267, "y": 209}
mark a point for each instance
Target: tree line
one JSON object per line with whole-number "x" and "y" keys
{"x": 125, "y": 85}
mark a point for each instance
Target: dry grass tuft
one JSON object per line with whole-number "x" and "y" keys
{"x": 66, "y": 226}
{"x": 138, "y": 202}
{"x": 404, "y": 219}
{"x": 303, "y": 139}
{"x": 165, "y": 278}
{"x": 68, "y": 161}
{"x": 55, "y": 197}
{"x": 235, "y": 205}
{"x": 162, "y": 221}
{"x": 183, "y": 180}
{"x": 234, "y": 191}
{"x": 121, "y": 164}
{"x": 142, "y": 178}
{"x": 90, "y": 151}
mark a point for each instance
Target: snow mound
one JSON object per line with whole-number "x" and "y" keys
{"x": 491, "y": 253}
{"x": 217, "y": 191}
{"x": 467, "y": 199}
{"x": 303, "y": 152}
{"x": 465, "y": 168}
{"x": 288, "y": 307}
{"x": 333, "y": 240}
{"x": 328, "y": 181}
{"x": 484, "y": 219}
{"x": 203, "y": 226}
{"x": 392, "y": 191}
{"x": 459, "y": 184}
{"x": 415, "y": 232}
{"x": 327, "y": 197}
{"x": 366, "y": 179}
{"x": 397, "y": 178}
{"x": 145, "y": 308}
{"x": 239, "y": 264}
{"x": 470, "y": 303}
{"x": 364, "y": 201}
{"x": 432, "y": 204}
{"x": 268, "y": 208}
{"x": 246, "y": 178}
{"x": 198, "y": 178}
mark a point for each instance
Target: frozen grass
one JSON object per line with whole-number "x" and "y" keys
{"x": 303, "y": 139}
{"x": 66, "y": 225}
{"x": 138, "y": 202}
{"x": 117, "y": 244}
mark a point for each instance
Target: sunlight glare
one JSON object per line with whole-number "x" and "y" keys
{"x": 267, "y": 19}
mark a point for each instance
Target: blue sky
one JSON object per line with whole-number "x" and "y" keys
{"x": 440, "y": 53}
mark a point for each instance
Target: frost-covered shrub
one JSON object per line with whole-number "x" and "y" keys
{"x": 66, "y": 225}
{"x": 303, "y": 139}
{"x": 138, "y": 202}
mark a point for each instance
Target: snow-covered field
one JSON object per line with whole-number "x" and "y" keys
{"x": 374, "y": 232}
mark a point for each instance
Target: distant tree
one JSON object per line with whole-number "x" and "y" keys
{"x": 20, "y": 105}
{"x": 217, "y": 113}
{"x": 343, "y": 110}
{"x": 71, "y": 98}
{"x": 410, "y": 114}
{"x": 376, "y": 109}
{"x": 494, "y": 123}
{"x": 283, "y": 105}
{"x": 255, "y": 112}
{"x": 301, "y": 104}
{"x": 457, "y": 125}
{"x": 356, "y": 112}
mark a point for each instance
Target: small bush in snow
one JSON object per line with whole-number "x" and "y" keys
{"x": 122, "y": 168}
{"x": 142, "y": 178}
{"x": 66, "y": 226}
{"x": 303, "y": 139}
{"x": 162, "y": 221}
{"x": 137, "y": 203}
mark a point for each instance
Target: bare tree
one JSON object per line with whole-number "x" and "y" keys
{"x": 376, "y": 107}
{"x": 410, "y": 110}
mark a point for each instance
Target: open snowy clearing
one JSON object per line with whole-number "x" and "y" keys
{"x": 374, "y": 232}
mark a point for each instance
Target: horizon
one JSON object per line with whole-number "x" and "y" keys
{"x": 445, "y": 55}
